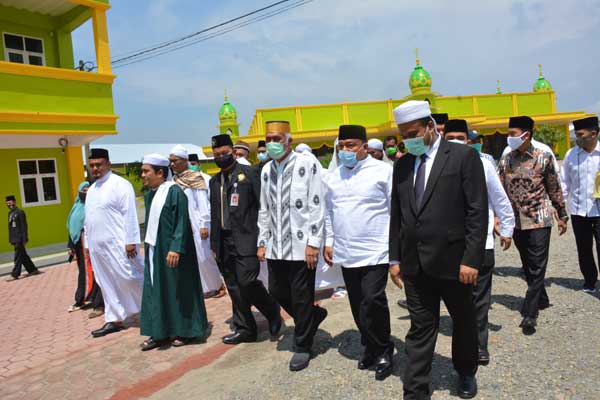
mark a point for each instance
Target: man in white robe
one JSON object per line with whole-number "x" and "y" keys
{"x": 195, "y": 188}
{"x": 113, "y": 238}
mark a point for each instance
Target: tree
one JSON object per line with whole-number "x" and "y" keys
{"x": 548, "y": 134}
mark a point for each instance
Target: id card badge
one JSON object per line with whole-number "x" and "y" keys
{"x": 14, "y": 224}
{"x": 235, "y": 199}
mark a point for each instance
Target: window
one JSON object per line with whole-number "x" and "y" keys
{"x": 39, "y": 182}
{"x": 23, "y": 50}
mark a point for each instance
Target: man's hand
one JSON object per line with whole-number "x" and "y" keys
{"x": 468, "y": 275}
{"x": 261, "y": 253}
{"x": 203, "y": 233}
{"x": 505, "y": 242}
{"x": 311, "y": 256}
{"x": 497, "y": 226}
{"x": 328, "y": 255}
{"x": 131, "y": 250}
{"x": 172, "y": 259}
{"x": 396, "y": 275}
{"x": 562, "y": 227}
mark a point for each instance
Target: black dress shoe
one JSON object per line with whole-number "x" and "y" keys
{"x": 467, "y": 386}
{"x": 528, "y": 325}
{"x": 384, "y": 365}
{"x": 237, "y": 338}
{"x": 276, "y": 324}
{"x": 299, "y": 361}
{"x": 483, "y": 358}
{"x": 108, "y": 328}
{"x": 367, "y": 360}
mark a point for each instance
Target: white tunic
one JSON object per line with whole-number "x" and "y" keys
{"x": 498, "y": 205}
{"x": 358, "y": 204}
{"x": 111, "y": 224}
{"x": 577, "y": 177}
{"x": 199, "y": 211}
{"x": 292, "y": 210}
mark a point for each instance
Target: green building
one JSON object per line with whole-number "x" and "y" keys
{"x": 48, "y": 109}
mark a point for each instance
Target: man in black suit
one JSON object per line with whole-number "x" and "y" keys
{"x": 17, "y": 236}
{"x": 234, "y": 204}
{"x": 438, "y": 230}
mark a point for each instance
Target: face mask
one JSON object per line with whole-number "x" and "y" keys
{"x": 194, "y": 168}
{"x": 457, "y": 141}
{"x": 82, "y": 196}
{"x": 515, "y": 142}
{"x": 225, "y": 161}
{"x": 348, "y": 158}
{"x": 583, "y": 141}
{"x": 262, "y": 156}
{"x": 477, "y": 146}
{"x": 391, "y": 151}
{"x": 275, "y": 150}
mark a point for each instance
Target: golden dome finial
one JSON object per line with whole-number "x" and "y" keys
{"x": 417, "y": 56}
{"x": 226, "y": 99}
{"x": 540, "y": 67}
{"x": 498, "y": 90}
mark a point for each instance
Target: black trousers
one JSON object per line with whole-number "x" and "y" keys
{"x": 423, "y": 295}
{"x": 82, "y": 273}
{"x": 587, "y": 229}
{"x": 534, "y": 245}
{"x": 22, "y": 259}
{"x": 369, "y": 305}
{"x": 240, "y": 274}
{"x": 95, "y": 296}
{"x": 482, "y": 297}
{"x": 292, "y": 284}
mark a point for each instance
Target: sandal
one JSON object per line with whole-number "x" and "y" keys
{"x": 149, "y": 344}
{"x": 339, "y": 293}
{"x": 221, "y": 292}
{"x": 179, "y": 341}
{"x": 74, "y": 307}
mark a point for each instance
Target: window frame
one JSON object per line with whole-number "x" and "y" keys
{"x": 38, "y": 183}
{"x": 24, "y": 53}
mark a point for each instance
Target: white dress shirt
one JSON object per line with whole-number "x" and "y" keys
{"x": 431, "y": 153}
{"x": 498, "y": 205}
{"x": 358, "y": 204}
{"x": 292, "y": 208}
{"x": 577, "y": 177}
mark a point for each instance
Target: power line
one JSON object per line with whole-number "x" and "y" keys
{"x": 161, "y": 50}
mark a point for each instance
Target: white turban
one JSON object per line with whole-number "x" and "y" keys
{"x": 303, "y": 148}
{"x": 411, "y": 110}
{"x": 375, "y": 144}
{"x": 179, "y": 151}
{"x": 156, "y": 159}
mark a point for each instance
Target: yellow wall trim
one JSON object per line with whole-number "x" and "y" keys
{"x": 61, "y": 132}
{"x": 61, "y": 118}
{"x": 54, "y": 73}
{"x": 91, "y": 4}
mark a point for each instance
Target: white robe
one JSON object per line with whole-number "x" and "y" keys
{"x": 111, "y": 224}
{"x": 199, "y": 211}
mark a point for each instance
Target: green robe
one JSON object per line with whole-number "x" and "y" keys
{"x": 173, "y": 305}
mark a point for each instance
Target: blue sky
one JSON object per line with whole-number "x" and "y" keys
{"x": 338, "y": 50}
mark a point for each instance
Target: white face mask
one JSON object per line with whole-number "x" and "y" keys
{"x": 515, "y": 142}
{"x": 457, "y": 141}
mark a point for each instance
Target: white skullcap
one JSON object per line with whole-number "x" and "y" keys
{"x": 303, "y": 148}
{"x": 179, "y": 151}
{"x": 156, "y": 159}
{"x": 411, "y": 110}
{"x": 375, "y": 144}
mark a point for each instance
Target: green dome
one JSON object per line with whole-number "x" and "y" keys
{"x": 227, "y": 111}
{"x": 420, "y": 80}
{"x": 542, "y": 85}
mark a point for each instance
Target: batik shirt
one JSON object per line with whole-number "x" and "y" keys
{"x": 292, "y": 207}
{"x": 529, "y": 178}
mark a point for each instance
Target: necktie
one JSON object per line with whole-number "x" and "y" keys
{"x": 420, "y": 182}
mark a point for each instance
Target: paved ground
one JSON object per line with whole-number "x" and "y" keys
{"x": 47, "y": 353}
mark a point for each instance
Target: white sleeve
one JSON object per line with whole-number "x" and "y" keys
{"x": 565, "y": 177}
{"x": 129, "y": 211}
{"x": 500, "y": 202}
{"x": 263, "y": 213}
{"x": 203, "y": 204}
{"x": 316, "y": 206}
{"x": 328, "y": 215}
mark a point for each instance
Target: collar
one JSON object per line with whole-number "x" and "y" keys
{"x": 433, "y": 149}
{"x": 289, "y": 158}
{"x": 596, "y": 149}
{"x": 105, "y": 177}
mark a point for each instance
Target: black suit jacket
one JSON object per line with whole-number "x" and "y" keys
{"x": 450, "y": 229}
{"x": 17, "y": 226}
{"x": 243, "y": 218}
